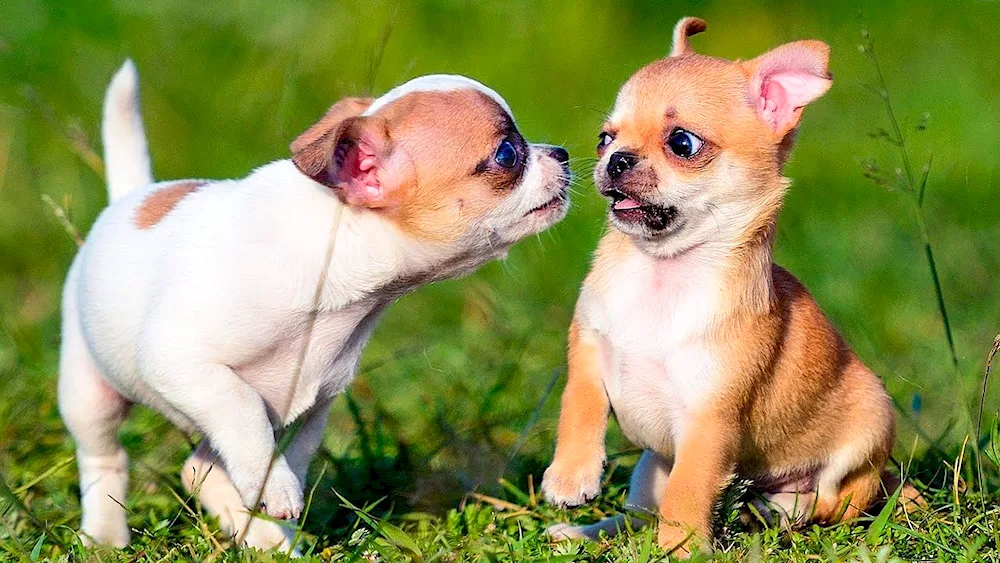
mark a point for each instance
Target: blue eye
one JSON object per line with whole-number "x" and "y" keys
{"x": 684, "y": 144}
{"x": 506, "y": 155}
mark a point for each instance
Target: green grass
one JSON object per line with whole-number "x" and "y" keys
{"x": 458, "y": 389}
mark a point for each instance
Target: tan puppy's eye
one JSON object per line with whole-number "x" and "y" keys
{"x": 683, "y": 143}
{"x": 603, "y": 140}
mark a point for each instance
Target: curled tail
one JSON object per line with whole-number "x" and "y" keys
{"x": 126, "y": 156}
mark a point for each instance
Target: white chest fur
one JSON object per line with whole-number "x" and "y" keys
{"x": 656, "y": 316}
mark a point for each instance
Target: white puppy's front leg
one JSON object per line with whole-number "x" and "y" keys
{"x": 234, "y": 419}
{"x": 205, "y": 475}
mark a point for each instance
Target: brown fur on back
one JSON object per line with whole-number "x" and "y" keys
{"x": 158, "y": 204}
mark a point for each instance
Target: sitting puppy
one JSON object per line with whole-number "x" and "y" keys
{"x": 714, "y": 359}
{"x": 238, "y": 307}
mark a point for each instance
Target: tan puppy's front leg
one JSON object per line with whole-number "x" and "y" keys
{"x": 706, "y": 458}
{"x": 574, "y": 477}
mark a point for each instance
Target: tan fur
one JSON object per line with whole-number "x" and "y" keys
{"x": 794, "y": 403}
{"x": 685, "y": 28}
{"x": 158, "y": 204}
{"x": 338, "y": 112}
{"x": 422, "y": 191}
{"x": 583, "y": 420}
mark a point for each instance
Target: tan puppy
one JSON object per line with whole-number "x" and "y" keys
{"x": 714, "y": 359}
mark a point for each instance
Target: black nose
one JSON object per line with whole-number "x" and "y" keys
{"x": 619, "y": 163}
{"x": 560, "y": 154}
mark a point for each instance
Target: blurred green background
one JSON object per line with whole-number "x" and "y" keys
{"x": 454, "y": 387}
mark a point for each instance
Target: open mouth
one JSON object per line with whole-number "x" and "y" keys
{"x": 631, "y": 209}
{"x": 555, "y": 203}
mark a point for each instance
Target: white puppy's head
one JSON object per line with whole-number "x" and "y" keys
{"x": 440, "y": 157}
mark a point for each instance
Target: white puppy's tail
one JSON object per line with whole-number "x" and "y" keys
{"x": 126, "y": 156}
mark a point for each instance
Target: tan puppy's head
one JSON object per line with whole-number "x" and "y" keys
{"x": 440, "y": 157}
{"x": 694, "y": 148}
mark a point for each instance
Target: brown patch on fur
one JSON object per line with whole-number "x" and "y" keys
{"x": 435, "y": 149}
{"x": 158, "y": 204}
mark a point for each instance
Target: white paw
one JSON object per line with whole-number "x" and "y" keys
{"x": 115, "y": 536}
{"x": 281, "y": 496}
{"x": 572, "y": 485}
{"x": 265, "y": 535}
{"x": 105, "y": 526}
{"x": 562, "y": 532}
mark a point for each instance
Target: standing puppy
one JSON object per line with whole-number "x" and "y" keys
{"x": 237, "y": 307}
{"x": 714, "y": 359}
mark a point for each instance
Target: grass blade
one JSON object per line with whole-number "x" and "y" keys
{"x": 878, "y": 525}
{"x": 36, "y": 551}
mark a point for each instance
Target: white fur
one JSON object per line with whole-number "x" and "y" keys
{"x": 436, "y": 83}
{"x": 212, "y": 317}
{"x": 126, "y": 158}
{"x": 654, "y": 317}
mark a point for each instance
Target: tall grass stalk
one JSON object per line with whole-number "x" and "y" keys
{"x": 903, "y": 179}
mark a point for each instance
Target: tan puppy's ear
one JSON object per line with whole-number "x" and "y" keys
{"x": 682, "y": 31}
{"x": 786, "y": 79}
{"x": 349, "y": 153}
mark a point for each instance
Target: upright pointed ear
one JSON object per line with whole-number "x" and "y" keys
{"x": 786, "y": 79}
{"x": 344, "y": 150}
{"x": 682, "y": 31}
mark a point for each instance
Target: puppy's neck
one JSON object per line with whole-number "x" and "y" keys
{"x": 738, "y": 262}
{"x": 372, "y": 259}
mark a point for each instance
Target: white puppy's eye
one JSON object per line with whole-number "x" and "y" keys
{"x": 683, "y": 143}
{"x": 506, "y": 155}
{"x": 603, "y": 140}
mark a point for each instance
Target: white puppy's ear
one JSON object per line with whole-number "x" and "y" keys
{"x": 786, "y": 79}
{"x": 347, "y": 151}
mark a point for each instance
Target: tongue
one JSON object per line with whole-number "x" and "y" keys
{"x": 627, "y": 203}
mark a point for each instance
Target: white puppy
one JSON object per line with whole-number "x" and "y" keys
{"x": 237, "y": 307}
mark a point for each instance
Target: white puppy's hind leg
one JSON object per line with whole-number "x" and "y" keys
{"x": 93, "y": 412}
{"x": 205, "y": 475}
{"x": 648, "y": 484}
{"x": 306, "y": 441}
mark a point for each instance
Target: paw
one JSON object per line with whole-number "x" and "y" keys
{"x": 113, "y": 535}
{"x": 679, "y": 541}
{"x": 265, "y": 535}
{"x": 281, "y": 496}
{"x": 104, "y": 525}
{"x": 572, "y": 484}
{"x": 563, "y": 532}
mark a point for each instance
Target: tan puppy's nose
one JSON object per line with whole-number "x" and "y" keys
{"x": 619, "y": 163}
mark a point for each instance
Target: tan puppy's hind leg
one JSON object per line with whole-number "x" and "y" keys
{"x": 909, "y": 498}
{"x": 854, "y": 495}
